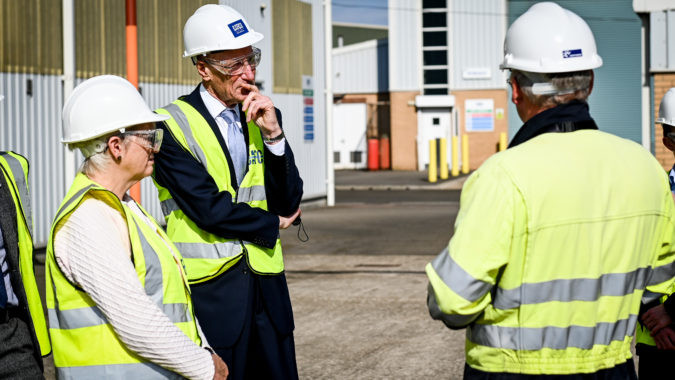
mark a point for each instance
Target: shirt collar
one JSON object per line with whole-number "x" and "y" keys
{"x": 213, "y": 105}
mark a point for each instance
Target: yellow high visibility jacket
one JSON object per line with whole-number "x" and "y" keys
{"x": 555, "y": 243}
{"x": 207, "y": 255}
{"x": 15, "y": 169}
{"x": 85, "y": 344}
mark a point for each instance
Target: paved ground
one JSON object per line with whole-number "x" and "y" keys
{"x": 358, "y": 285}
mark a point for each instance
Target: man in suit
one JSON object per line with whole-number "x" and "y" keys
{"x": 23, "y": 332}
{"x": 227, "y": 184}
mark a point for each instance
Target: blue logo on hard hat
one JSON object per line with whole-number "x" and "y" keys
{"x": 238, "y": 28}
{"x": 572, "y": 53}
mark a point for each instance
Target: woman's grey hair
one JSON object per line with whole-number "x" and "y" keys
{"x": 552, "y": 89}
{"x": 95, "y": 159}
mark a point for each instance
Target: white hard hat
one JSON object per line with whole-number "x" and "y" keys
{"x": 667, "y": 108}
{"x": 549, "y": 39}
{"x": 102, "y": 105}
{"x": 217, "y": 27}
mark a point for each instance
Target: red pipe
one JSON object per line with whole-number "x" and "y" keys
{"x": 132, "y": 66}
{"x": 373, "y": 154}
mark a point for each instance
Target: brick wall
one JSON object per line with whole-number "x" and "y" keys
{"x": 483, "y": 144}
{"x": 403, "y": 131}
{"x": 662, "y": 83}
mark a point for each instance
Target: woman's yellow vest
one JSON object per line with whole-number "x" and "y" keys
{"x": 85, "y": 344}
{"x": 207, "y": 255}
{"x": 15, "y": 169}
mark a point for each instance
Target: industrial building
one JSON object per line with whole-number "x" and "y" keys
{"x": 51, "y": 45}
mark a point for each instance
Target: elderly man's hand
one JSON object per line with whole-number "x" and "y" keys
{"x": 665, "y": 339}
{"x": 260, "y": 109}
{"x": 222, "y": 371}
{"x": 656, "y": 319}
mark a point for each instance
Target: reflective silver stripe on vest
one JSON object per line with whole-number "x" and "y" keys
{"x": 557, "y": 338}
{"x": 458, "y": 279}
{"x": 182, "y": 121}
{"x": 452, "y": 320}
{"x": 168, "y": 206}
{"x": 662, "y": 274}
{"x": 209, "y": 251}
{"x": 93, "y": 316}
{"x": 143, "y": 371}
{"x": 22, "y": 186}
{"x": 76, "y": 318}
{"x": 648, "y": 296}
{"x": 154, "y": 286}
{"x": 568, "y": 290}
{"x": 71, "y": 200}
{"x": 250, "y": 194}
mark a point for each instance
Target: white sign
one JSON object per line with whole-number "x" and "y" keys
{"x": 479, "y": 115}
{"x": 477, "y": 73}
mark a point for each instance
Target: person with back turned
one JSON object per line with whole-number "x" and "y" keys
{"x": 561, "y": 237}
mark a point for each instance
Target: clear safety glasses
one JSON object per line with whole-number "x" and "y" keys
{"x": 236, "y": 66}
{"x": 149, "y": 139}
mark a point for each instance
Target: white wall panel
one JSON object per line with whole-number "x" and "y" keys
{"x": 361, "y": 68}
{"x": 477, "y": 35}
{"x": 405, "y": 45}
{"x": 31, "y": 126}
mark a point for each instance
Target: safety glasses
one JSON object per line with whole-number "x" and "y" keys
{"x": 235, "y": 66}
{"x": 149, "y": 139}
{"x": 671, "y": 136}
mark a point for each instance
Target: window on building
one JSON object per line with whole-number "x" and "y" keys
{"x": 291, "y": 44}
{"x": 435, "y": 47}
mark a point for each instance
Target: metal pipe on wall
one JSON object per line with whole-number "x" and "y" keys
{"x": 132, "y": 66}
{"x": 68, "y": 15}
{"x": 328, "y": 62}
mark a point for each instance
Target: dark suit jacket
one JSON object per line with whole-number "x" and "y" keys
{"x": 8, "y": 220}
{"x": 220, "y": 303}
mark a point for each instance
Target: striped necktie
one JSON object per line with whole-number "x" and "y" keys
{"x": 235, "y": 144}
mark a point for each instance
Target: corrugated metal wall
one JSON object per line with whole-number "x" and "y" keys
{"x": 30, "y": 123}
{"x": 478, "y": 28}
{"x": 615, "y": 101}
{"x": 310, "y": 156}
{"x": 405, "y": 45}
{"x": 31, "y": 126}
{"x": 662, "y": 40}
{"x": 361, "y": 68}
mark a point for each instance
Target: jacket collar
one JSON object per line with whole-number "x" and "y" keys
{"x": 568, "y": 117}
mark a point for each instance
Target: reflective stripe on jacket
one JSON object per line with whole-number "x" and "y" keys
{"x": 85, "y": 343}
{"x": 207, "y": 255}
{"x": 15, "y": 169}
{"x": 555, "y": 243}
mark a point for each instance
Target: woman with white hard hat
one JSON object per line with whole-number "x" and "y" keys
{"x": 118, "y": 300}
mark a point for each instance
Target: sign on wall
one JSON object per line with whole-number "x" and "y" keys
{"x": 479, "y": 115}
{"x": 308, "y": 107}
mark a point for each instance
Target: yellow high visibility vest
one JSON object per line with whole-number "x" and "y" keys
{"x": 15, "y": 169}
{"x": 549, "y": 274}
{"x": 85, "y": 344}
{"x": 207, "y": 255}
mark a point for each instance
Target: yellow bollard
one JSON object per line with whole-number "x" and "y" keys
{"x": 465, "y": 154}
{"x": 455, "y": 157}
{"x": 432, "y": 161}
{"x": 443, "y": 154}
{"x": 502, "y": 141}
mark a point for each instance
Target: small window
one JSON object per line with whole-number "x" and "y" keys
{"x": 436, "y": 76}
{"x": 356, "y": 157}
{"x": 435, "y": 57}
{"x": 435, "y": 91}
{"x": 434, "y": 19}
{"x": 436, "y": 121}
{"x": 336, "y": 156}
{"x": 433, "y": 4}
{"x": 435, "y": 38}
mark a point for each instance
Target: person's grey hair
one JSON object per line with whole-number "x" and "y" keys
{"x": 95, "y": 159}
{"x": 552, "y": 89}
